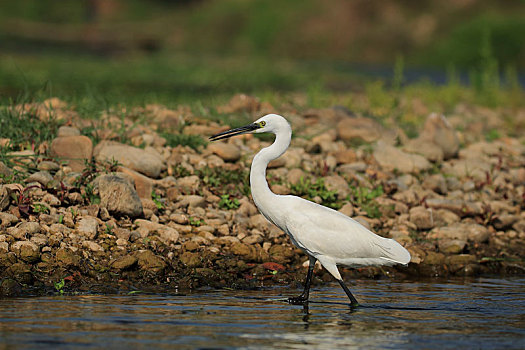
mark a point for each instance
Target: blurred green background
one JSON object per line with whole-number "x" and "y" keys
{"x": 174, "y": 51}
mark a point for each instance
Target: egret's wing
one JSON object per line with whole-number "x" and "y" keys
{"x": 324, "y": 231}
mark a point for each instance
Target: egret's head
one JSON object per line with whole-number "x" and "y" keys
{"x": 269, "y": 123}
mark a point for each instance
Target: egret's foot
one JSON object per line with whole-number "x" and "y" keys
{"x": 297, "y": 300}
{"x": 354, "y": 305}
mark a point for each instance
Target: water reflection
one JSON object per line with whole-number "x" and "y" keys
{"x": 483, "y": 313}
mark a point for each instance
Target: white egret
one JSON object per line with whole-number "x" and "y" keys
{"x": 324, "y": 234}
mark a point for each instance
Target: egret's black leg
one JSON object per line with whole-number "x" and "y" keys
{"x": 353, "y": 300}
{"x": 306, "y": 292}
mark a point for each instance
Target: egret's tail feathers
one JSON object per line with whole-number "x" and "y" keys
{"x": 394, "y": 251}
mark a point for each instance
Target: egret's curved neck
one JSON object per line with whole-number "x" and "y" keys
{"x": 262, "y": 196}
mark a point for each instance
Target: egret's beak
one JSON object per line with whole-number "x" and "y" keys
{"x": 233, "y": 132}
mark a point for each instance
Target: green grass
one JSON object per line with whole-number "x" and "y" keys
{"x": 24, "y": 128}
{"x": 227, "y": 202}
{"x": 364, "y": 198}
{"x": 225, "y": 182}
{"x": 312, "y": 190}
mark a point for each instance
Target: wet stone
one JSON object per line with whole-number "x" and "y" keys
{"x": 10, "y": 288}
{"x": 118, "y": 196}
{"x": 454, "y": 246}
{"x": 191, "y": 259}
{"x": 125, "y": 262}
{"x": 26, "y": 250}
{"x": 67, "y": 257}
{"x": 150, "y": 262}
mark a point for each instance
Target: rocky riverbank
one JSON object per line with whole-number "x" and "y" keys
{"x": 115, "y": 203}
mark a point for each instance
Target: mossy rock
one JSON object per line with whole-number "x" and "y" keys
{"x": 150, "y": 262}
{"x": 67, "y": 257}
{"x": 10, "y": 288}
{"x": 191, "y": 259}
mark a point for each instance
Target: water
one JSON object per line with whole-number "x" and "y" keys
{"x": 480, "y": 314}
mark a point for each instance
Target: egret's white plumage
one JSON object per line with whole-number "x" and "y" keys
{"x": 323, "y": 233}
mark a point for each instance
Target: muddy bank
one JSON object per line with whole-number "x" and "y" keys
{"x": 98, "y": 208}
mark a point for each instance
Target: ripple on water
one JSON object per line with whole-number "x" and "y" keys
{"x": 480, "y": 313}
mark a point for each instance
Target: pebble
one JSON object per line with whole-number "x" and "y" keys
{"x": 191, "y": 201}
{"x": 422, "y": 217}
{"x": 451, "y": 246}
{"x": 124, "y": 262}
{"x": 150, "y": 262}
{"x": 118, "y": 196}
{"x": 338, "y": 184}
{"x": 26, "y": 250}
{"x": 131, "y": 157}
{"x": 226, "y": 151}
{"x": 365, "y": 129}
{"x": 391, "y": 158}
{"x": 87, "y": 227}
{"x": 92, "y": 246}
{"x": 75, "y": 149}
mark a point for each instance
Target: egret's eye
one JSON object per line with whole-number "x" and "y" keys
{"x": 263, "y": 123}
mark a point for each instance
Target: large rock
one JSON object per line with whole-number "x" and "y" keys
{"x": 391, "y": 158}
{"x": 227, "y": 151}
{"x": 451, "y": 246}
{"x": 75, "y": 149}
{"x": 461, "y": 231}
{"x": 26, "y": 250}
{"x": 143, "y": 184}
{"x": 124, "y": 262}
{"x": 150, "y": 262}
{"x": 118, "y": 196}
{"x": 426, "y": 148}
{"x": 42, "y": 177}
{"x": 364, "y": 129}
{"x": 131, "y": 157}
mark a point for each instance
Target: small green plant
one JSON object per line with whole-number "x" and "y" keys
{"x": 23, "y": 127}
{"x": 23, "y": 200}
{"x": 157, "y": 200}
{"x": 74, "y": 212}
{"x": 61, "y": 218}
{"x": 227, "y": 203}
{"x": 492, "y": 135}
{"x": 196, "y": 221}
{"x": 59, "y": 286}
{"x": 108, "y": 229}
{"x": 310, "y": 190}
{"x": 39, "y": 208}
{"x": 89, "y": 195}
{"x": 222, "y": 181}
{"x": 364, "y": 198}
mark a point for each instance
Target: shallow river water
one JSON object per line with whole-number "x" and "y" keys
{"x": 482, "y": 313}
